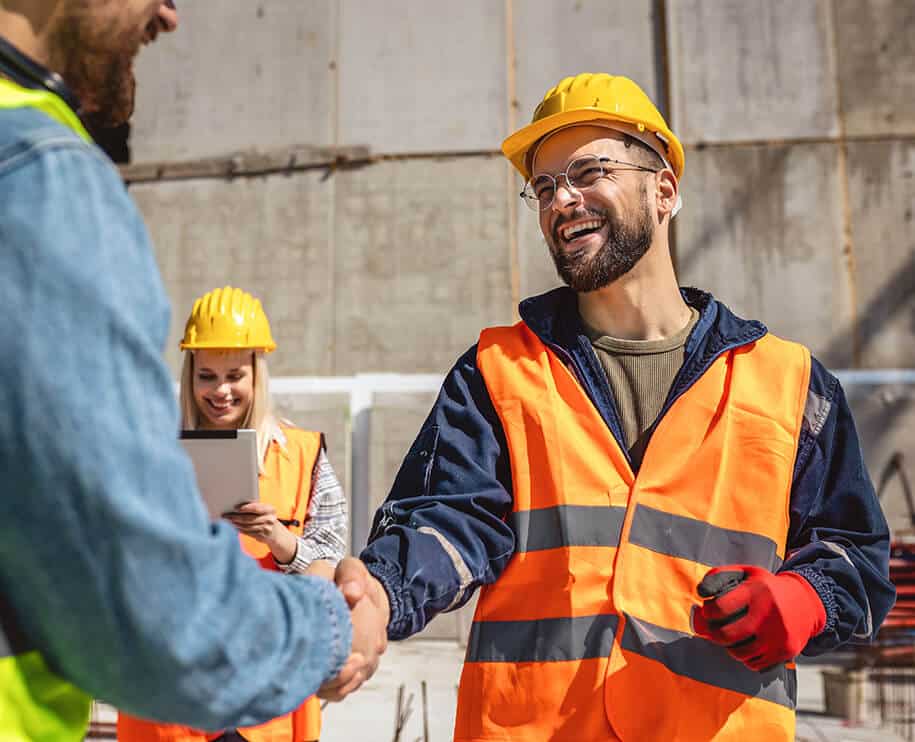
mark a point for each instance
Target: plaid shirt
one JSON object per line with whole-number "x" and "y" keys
{"x": 324, "y": 536}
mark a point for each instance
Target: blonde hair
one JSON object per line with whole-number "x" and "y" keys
{"x": 260, "y": 415}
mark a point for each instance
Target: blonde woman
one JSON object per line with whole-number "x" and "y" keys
{"x": 299, "y": 523}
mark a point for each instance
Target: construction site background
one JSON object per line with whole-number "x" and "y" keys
{"x": 339, "y": 159}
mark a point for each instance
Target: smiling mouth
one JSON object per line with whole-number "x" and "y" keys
{"x": 221, "y": 407}
{"x": 581, "y": 229}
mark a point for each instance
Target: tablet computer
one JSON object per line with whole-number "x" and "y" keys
{"x": 226, "y": 465}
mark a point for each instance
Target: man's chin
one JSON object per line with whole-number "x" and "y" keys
{"x": 99, "y": 120}
{"x": 585, "y": 273}
{"x": 111, "y": 114}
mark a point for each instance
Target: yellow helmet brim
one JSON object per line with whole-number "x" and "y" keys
{"x": 223, "y": 346}
{"x": 517, "y": 146}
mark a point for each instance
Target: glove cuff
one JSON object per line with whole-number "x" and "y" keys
{"x": 809, "y": 606}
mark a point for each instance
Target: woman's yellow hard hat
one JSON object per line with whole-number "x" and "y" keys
{"x": 226, "y": 319}
{"x": 595, "y": 97}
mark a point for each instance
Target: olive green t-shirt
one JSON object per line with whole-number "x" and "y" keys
{"x": 640, "y": 373}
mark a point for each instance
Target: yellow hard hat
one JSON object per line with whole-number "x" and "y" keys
{"x": 225, "y": 319}
{"x": 595, "y": 97}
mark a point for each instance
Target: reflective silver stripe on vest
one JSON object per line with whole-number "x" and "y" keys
{"x": 567, "y": 525}
{"x": 701, "y": 660}
{"x": 546, "y": 640}
{"x": 698, "y": 541}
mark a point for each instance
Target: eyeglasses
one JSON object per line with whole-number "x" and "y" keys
{"x": 581, "y": 174}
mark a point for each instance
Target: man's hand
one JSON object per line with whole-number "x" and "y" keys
{"x": 321, "y": 568}
{"x": 370, "y": 612}
{"x": 762, "y": 619}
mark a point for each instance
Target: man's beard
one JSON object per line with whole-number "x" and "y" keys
{"x": 96, "y": 61}
{"x": 627, "y": 242}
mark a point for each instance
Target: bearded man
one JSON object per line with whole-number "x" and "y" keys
{"x": 113, "y": 581}
{"x": 663, "y": 502}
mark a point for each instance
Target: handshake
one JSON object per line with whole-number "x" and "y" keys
{"x": 369, "y": 613}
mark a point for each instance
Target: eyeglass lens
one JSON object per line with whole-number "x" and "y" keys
{"x": 581, "y": 173}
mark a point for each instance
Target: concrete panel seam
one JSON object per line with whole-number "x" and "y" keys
{"x": 788, "y": 141}
{"x": 514, "y": 269}
{"x": 247, "y": 164}
{"x": 848, "y": 246}
{"x": 282, "y": 162}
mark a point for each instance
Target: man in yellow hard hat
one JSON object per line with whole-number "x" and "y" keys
{"x": 663, "y": 502}
{"x": 113, "y": 581}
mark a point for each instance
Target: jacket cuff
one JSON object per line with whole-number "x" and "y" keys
{"x": 824, "y": 589}
{"x": 337, "y": 618}
{"x": 391, "y": 579}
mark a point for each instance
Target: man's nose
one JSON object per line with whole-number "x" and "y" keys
{"x": 566, "y": 195}
{"x": 168, "y": 16}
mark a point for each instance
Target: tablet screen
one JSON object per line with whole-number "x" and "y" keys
{"x": 226, "y": 465}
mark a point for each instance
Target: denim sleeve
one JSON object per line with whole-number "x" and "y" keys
{"x": 838, "y": 538}
{"x": 442, "y": 533}
{"x": 106, "y": 552}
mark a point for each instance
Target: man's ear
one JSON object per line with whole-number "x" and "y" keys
{"x": 667, "y": 191}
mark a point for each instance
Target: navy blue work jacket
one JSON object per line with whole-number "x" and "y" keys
{"x": 442, "y": 532}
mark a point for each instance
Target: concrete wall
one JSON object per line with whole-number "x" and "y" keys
{"x": 798, "y": 118}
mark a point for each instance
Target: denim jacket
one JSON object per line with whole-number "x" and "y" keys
{"x": 107, "y": 555}
{"x": 442, "y": 532}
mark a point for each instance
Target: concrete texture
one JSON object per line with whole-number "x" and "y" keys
{"x": 555, "y": 39}
{"x": 885, "y": 418}
{"x": 750, "y": 71}
{"x": 882, "y": 195}
{"x": 328, "y": 413}
{"x": 416, "y": 264}
{"x": 877, "y": 66}
{"x": 245, "y": 75}
{"x": 421, "y": 263}
{"x": 422, "y": 77}
{"x": 761, "y": 229}
{"x": 270, "y": 236}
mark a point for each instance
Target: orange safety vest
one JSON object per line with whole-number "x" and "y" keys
{"x": 285, "y": 484}
{"x": 586, "y": 635}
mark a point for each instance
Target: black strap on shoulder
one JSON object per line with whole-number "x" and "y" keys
{"x": 25, "y": 71}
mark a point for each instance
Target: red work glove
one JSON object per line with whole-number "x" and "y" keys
{"x": 762, "y": 619}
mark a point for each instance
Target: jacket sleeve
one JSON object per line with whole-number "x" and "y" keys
{"x": 108, "y": 558}
{"x": 442, "y": 533}
{"x": 838, "y": 537}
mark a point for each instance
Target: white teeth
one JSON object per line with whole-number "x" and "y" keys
{"x": 570, "y": 232}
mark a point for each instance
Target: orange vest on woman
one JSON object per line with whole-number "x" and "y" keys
{"x": 586, "y": 635}
{"x": 285, "y": 484}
